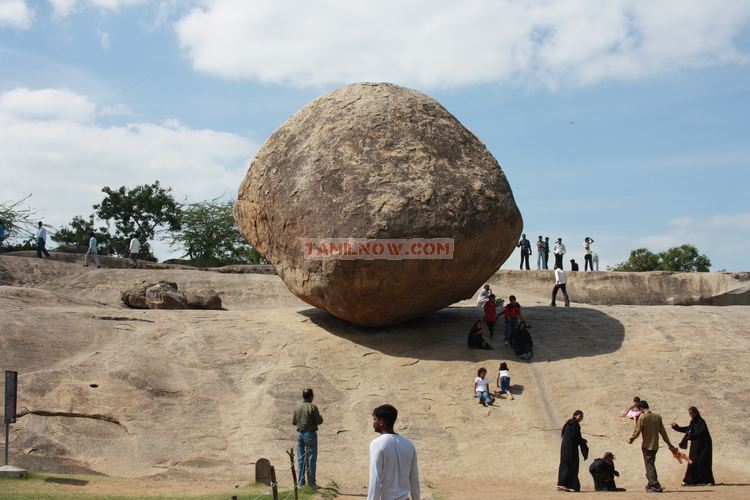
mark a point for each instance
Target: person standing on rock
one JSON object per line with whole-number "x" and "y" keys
{"x": 307, "y": 419}
{"x": 560, "y": 284}
{"x": 394, "y": 472}
{"x": 700, "y": 471}
{"x": 540, "y": 253}
{"x": 512, "y": 313}
{"x": 92, "y": 249}
{"x": 588, "y": 254}
{"x": 567, "y": 473}
{"x": 546, "y": 252}
{"x": 133, "y": 250}
{"x": 525, "y": 246}
{"x": 650, "y": 426}
{"x": 559, "y": 252}
{"x": 41, "y": 241}
{"x": 490, "y": 314}
{"x": 595, "y": 260}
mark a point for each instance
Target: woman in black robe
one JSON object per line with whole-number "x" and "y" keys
{"x": 476, "y": 340}
{"x": 701, "y": 450}
{"x": 522, "y": 343}
{"x": 567, "y": 474}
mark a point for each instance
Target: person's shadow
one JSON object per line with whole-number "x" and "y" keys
{"x": 557, "y": 333}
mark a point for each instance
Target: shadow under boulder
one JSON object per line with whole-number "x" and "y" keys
{"x": 166, "y": 295}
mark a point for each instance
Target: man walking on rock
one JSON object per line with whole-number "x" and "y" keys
{"x": 560, "y": 283}
{"x": 394, "y": 474}
{"x": 307, "y": 419}
{"x": 41, "y": 241}
{"x": 649, "y": 425}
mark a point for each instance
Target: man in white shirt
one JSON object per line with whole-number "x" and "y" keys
{"x": 41, "y": 241}
{"x": 560, "y": 283}
{"x": 134, "y": 250}
{"x": 91, "y": 250}
{"x": 559, "y": 251}
{"x": 394, "y": 474}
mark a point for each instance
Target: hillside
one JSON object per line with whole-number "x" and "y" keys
{"x": 200, "y": 395}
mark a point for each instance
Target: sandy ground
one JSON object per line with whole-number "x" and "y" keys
{"x": 201, "y": 395}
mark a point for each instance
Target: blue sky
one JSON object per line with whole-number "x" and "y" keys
{"x": 625, "y": 122}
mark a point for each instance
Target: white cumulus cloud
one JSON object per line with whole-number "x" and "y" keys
{"x": 15, "y": 13}
{"x": 64, "y": 157}
{"x": 62, "y": 8}
{"x": 448, "y": 43}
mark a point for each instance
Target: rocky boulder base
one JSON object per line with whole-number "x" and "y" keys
{"x": 165, "y": 295}
{"x": 378, "y": 161}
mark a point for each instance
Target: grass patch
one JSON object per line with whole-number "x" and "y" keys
{"x": 75, "y": 487}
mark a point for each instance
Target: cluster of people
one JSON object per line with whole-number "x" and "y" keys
{"x": 482, "y": 385}
{"x": 394, "y": 471}
{"x": 650, "y": 427}
{"x": 515, "y": 332}
{"x": 590, "y": 258}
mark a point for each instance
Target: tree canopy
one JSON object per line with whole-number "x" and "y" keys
{"x": 685, "y": 258}
{"x": 142, "y": 210}
{"x": 209, "y": 236}
{"x": 75, "y": 236}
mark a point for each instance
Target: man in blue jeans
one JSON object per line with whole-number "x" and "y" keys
{"x": 307, "y": 419}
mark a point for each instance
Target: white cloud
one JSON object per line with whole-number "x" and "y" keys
{"x": 15, "y": 13}
{"x": 448, "y": 43}
{"x": 45, "y": 104}
{"x": 62, "y": 8}
{"x": 65, "y": 161}
{"x": 104, "y": 39}
{"x": 117, "y": 109}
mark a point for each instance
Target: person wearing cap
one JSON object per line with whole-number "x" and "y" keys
{"x": 603, "y": 471}
{"x": 307, "y": 419}
{"x": 650, "y": 426}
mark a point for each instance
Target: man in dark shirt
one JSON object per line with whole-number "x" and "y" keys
{"x": 307, "y": 419}
{"x": 525, "y": 246}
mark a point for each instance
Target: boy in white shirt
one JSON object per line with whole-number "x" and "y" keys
{"x": 560, "y": 283}
{"x": 394, "y": 474}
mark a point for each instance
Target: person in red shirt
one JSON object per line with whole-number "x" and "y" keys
{"x": 512, "y": 313}
{"x": 490, "y": 314}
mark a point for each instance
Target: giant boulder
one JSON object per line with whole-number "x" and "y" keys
{"x": 378, "y": 161}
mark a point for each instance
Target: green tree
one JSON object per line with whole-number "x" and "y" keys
{"x": 143, "y": 210}
{"x": 684, "y": 258}
{"x": 210, "y": 237}
{"x": 75, "y": 236}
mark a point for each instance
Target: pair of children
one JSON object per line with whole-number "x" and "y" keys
{"x": 481, "y": 385}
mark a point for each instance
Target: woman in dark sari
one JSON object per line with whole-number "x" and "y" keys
{"x": 700, "y": 471}
{"x": 476, "y": 340}
{"x": 567, "y": 475}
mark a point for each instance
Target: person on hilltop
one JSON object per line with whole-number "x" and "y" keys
{"x": 540, "y": 253}
{"x": 476, "y": 340}
{"x": 394, "y": 472}
{"x": 650, "y": 426}
{"x": 307, "y": 419}
{"x": 525, "y": 246}
{"x": 2, "y": 232}
{"x": 595, "y": 260}
{"x": 484, "y": 295}
{"x": 546, "y": 252}
{"x": 559, "y": 252}
{"x": 503, "y": 380}
{"x": 512, "y": 313}
{"x": 92, "y": 249}
{"x": 481, "y": 388}
{"x": 560, "y": 284}
{"x": 700, "y": 471}
{"x": 603, "y": 471}
{"x": 133, "y": 250}
{"x": 588, "y": 262}
{"x": 41, "y": 241}
{"x": 574, "y": 265}
{"x": 567, "y": 473}
{"x": 490, "y": 314}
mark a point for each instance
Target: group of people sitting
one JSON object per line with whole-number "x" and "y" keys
{"x": 481, "y": 385}
{"x": 516, "y": 332}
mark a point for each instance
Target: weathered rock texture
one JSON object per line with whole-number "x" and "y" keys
{"x": 165, "y": 295}
{"x": 378, "y": 161}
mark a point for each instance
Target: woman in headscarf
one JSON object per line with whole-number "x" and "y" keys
{"x": 700, "y": 471}
{"x": 567, "y": 474}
